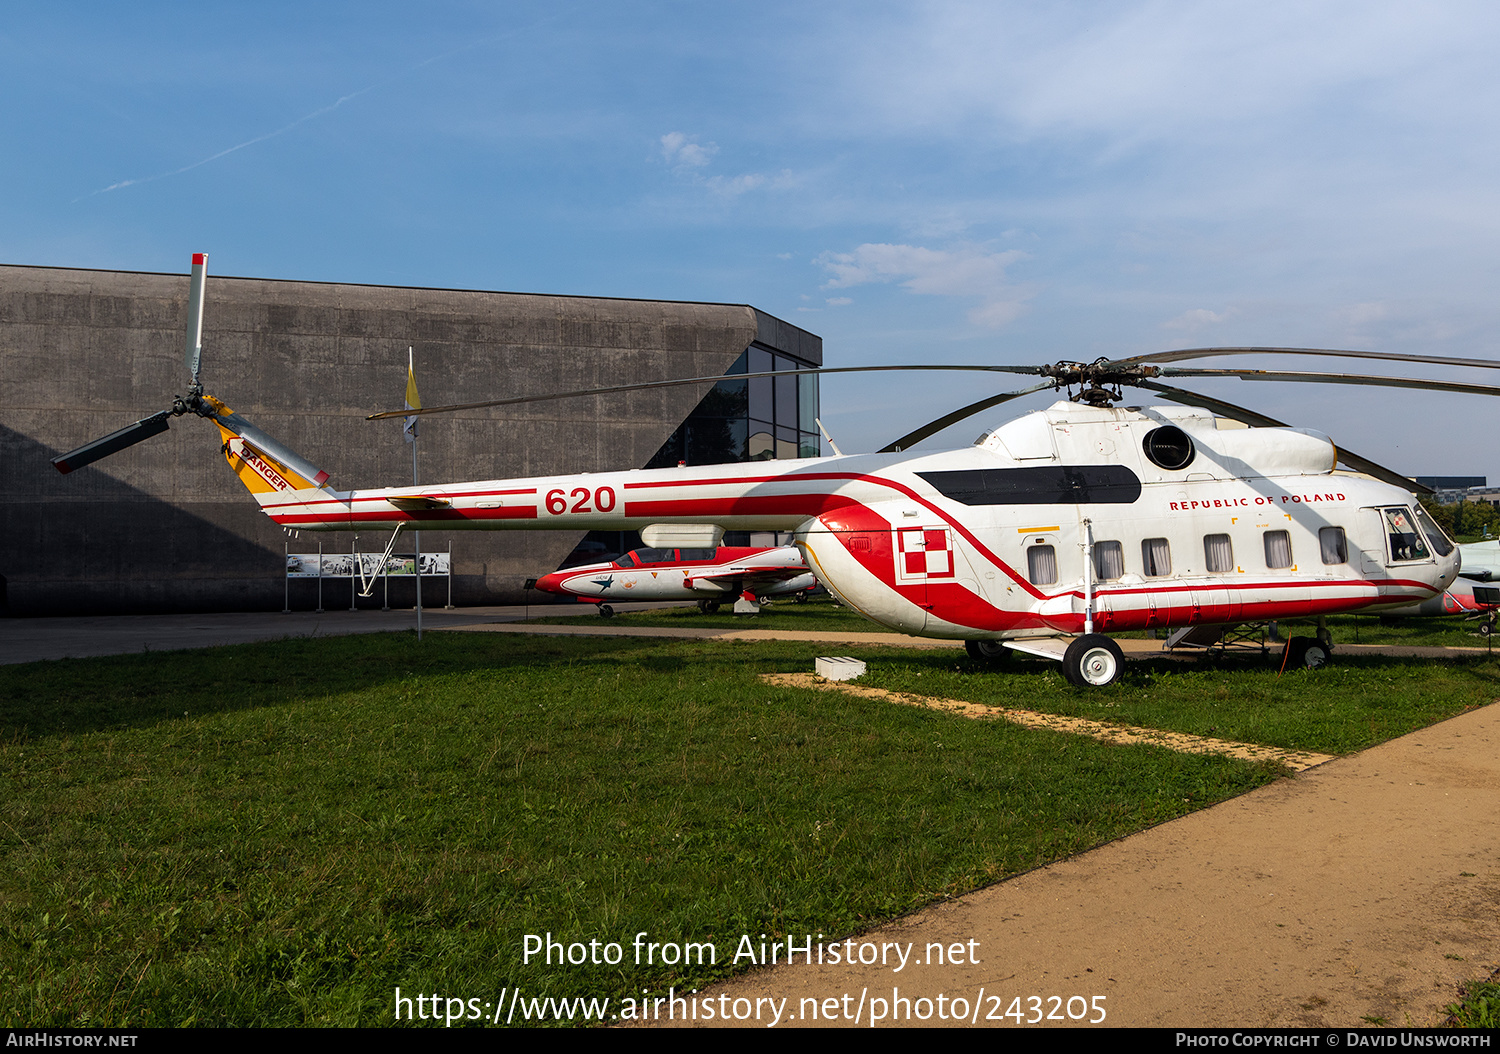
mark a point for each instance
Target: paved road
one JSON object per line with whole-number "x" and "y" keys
{"x": 31, "y": 639}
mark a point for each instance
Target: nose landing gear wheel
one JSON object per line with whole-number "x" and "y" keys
{"x": 1093, "y": 661}
{"x": 605, "y": 611}
{"x": 986, "y": 650}
{"x": 1307, "y": 653}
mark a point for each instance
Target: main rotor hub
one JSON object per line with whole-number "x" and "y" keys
{"x": 1098, "y": 384}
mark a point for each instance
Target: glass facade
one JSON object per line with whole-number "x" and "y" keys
{"x": 754, "y": 419}
{"x": 750, "y": 419}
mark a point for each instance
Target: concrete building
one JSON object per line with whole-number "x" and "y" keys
{"x": 1448, "y": 489}
{"x": 164, "y": 526}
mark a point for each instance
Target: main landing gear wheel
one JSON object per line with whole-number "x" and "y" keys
{"x": 1307, "y": 653}
{"x": 605, "y": 611}
{"x": 1092, "y": 661}
{"x": 986, "y": 650}
{"x": 708, "y": 607}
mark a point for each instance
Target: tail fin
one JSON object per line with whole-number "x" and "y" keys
{"x": 263, "y": 465}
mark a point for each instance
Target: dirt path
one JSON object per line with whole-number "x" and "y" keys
{"x": 1296, "y": 760}
{"x": 1362, "y": 891}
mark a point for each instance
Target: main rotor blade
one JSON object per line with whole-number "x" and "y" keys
{"x": 1252, "y": 417}
{"x": 912, "y": 438}
{"x": 113, "y": 443}
{"x": 1334, "y": 378}
{"x": 611, "y": 389}
{"x": 1203, "y": 353}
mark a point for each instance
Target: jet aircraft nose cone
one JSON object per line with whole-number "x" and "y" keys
{"x": 550, "y": 583}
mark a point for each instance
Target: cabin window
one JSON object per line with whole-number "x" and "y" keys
{"x": 1434, "y": 533}
{"x": 1278, "y": 549}
{"x": 1334, "y": 545}
{"x": 1156, "y": 557}
{"x": 1218, "y": 553}
{"x": 625, "y": 561}
{"x": 1041, "y": 565}
{"x": 1109, "y": 561}
{"x": 697, "y": 556}
{"x": 1406, "y": 543}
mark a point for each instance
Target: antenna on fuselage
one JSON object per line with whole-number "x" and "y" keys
{"x": 828, "y": 437}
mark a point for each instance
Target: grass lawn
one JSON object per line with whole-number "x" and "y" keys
{"x": 285, "y": 833}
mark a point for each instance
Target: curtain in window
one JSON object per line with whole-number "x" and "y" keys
{"x": 1335, "y": 547}
{"x": 1219, "y": 553}
{"x": 1109, "y": 560}
{"x": 1041, "y": 565}
{"x": 1278, "y": 549}
{"x": 1156, "y": 557}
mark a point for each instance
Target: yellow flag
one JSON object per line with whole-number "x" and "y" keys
{"x": 413, "y": 400}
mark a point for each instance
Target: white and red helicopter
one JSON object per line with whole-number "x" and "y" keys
{"x": 1044, "y": 536}
{"x": 710, "y": 576}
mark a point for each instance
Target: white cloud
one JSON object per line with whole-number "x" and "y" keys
{"x": 689, "y": 159}
{"x": 965, "y": 272}
{"x": 684, "y": 151}
{"x": 1196, "y": 319}
{"x": 839, "y": 301}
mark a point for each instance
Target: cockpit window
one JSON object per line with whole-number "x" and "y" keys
{"x": 625, "y": 561}
{"x": 1406, "y": 543}
{"x": 1434, "y": 533}
{"x": 697, "y": 556}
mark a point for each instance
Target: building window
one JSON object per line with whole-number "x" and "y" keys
{"x": 1218, "y": 553}
{"x": 1278, "y": 550}
{"x": 754, "y": 419}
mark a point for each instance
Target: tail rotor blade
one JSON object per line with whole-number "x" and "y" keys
{"x": 195, "y": 315}
{"x": 113, "y": 443}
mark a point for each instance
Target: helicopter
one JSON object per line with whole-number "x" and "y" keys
{"x": 1045, "y": 536}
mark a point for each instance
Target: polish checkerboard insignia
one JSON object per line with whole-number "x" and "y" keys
{"x": 923, "y": 554}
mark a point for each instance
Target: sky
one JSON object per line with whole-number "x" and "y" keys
{"x": 1001, "y": 182}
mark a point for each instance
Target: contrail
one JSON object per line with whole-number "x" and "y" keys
{"x": 248, "y": 142}
{"x": 282, "y": 131}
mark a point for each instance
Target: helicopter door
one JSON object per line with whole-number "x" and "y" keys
{"x": 929, "y": 565}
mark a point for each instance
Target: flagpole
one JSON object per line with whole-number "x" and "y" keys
{"x": 413, "y": 402}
